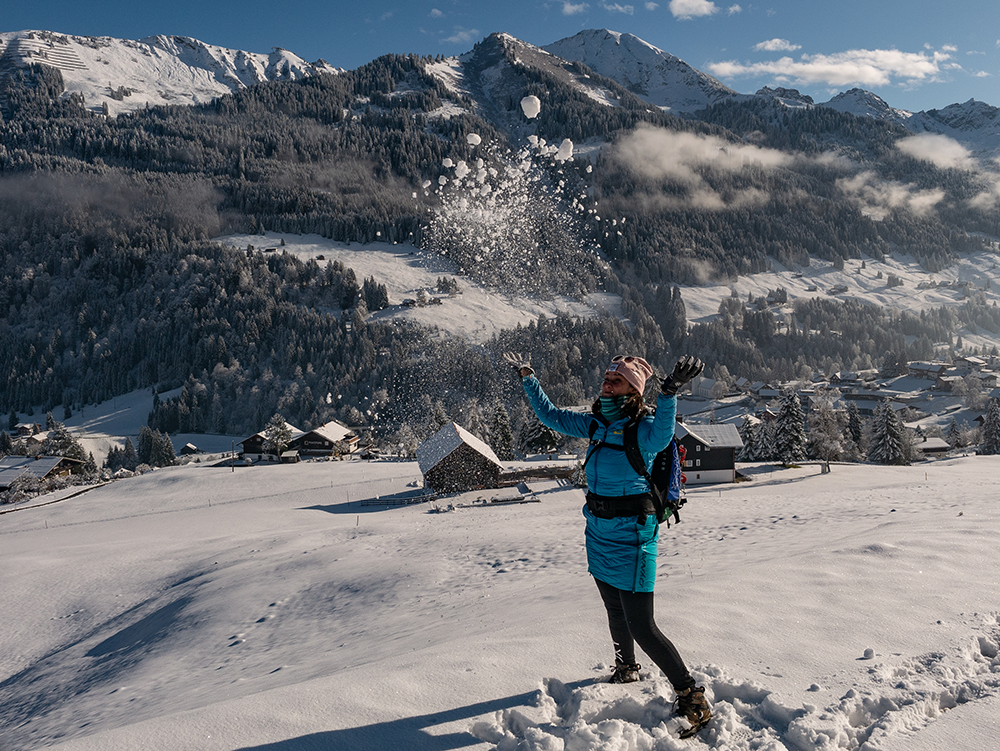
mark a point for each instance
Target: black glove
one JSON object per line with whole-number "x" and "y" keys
{"x": 521, "y": 364}
{"x": 687, "y": 367}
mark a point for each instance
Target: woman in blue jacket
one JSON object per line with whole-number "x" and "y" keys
{"x": 622, "y": 526}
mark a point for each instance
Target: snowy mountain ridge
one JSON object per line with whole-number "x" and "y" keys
{"x": 121, "y": 75}
{"x": 648, "y": 72}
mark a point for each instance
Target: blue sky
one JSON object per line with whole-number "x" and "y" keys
{"x": 917, "y": 54}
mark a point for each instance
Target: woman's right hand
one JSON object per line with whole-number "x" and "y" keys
{"x": 520, "y": 363}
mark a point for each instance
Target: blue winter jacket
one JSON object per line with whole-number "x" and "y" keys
{"x": 620, "y": 551}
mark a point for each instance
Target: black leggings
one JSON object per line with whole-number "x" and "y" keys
{"x": 630, "y": 618}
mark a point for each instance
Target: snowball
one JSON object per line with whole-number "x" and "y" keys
{"x": 531, "y": 106}
{"x": 425, "y": 184}
{"x": 461, "y": 170}
{"x": 485, "y": 190}
{"x": 442, "y": 180}
{"x": 473, "y": 139}
{"x": 590, "y": 168}
{"x": 447, "y": 162}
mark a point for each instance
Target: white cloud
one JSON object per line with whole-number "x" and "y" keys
{"x": 570, "y": 9}
{"x": 462, "y": 36}
{"x": 877, "y": 197}
{"x": 435, "y": 13}
{"x": 937, "y": 149}
{"x": 777, "y": 45}
{"x": 659, "y": 154}
{"x": 981, "y": 74}
{"x": 859, "y": 67}
{"x": 652, "y": 6}
{"x": 628, "y": 10}
{"x": 950, "y": 48}
{"x": 734, "y": 9}
{"x": 692, "y": 8}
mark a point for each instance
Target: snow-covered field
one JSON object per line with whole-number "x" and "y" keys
{"x": 267, "y": 608}
{"x": 476, "y": 314}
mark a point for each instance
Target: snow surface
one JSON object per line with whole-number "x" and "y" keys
{"x": 267, "y": 608}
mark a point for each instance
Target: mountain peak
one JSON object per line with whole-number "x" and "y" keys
{"x": 648, "y": 72}
{"x": 862, "y": 103}
{"x": 787, "y": 97}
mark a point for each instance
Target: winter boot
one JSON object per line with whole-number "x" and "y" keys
{"x": 625, "y": 672}
{"x": 692, "y": 706}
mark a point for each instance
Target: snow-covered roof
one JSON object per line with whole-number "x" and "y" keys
{"x": 296, "y": 432}
{"x": 713, "y": 436}
{"x": 12, "y": 467}
{"x": 933, "y": 444}
{"x": 332, "y": 431}
{"x": 447, "y": 439}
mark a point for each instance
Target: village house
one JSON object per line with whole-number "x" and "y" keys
{"x": 927, "y": 370}
{"x": 453, "y": 460}
{"x": 933, "y": 446}
{"x": 331, "y": 439}
{"x": 253, "y": 447}
{"x": 710, "y": 452}
{"x": 970, "y": 363}
{"x": 40, "y": 467}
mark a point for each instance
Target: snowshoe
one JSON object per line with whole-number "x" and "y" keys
{"x": 625, "y": 672}
{"x": 693, "y": 707}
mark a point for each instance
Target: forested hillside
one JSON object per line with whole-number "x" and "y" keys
{"x": 109, "y": 281}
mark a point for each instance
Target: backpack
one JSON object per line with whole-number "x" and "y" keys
{"x": 666, "y": 481}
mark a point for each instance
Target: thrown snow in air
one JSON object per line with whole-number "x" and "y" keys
{"x": 531, "y": 105}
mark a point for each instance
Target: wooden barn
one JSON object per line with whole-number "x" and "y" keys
{"x": 711, "y": 452}
{"x": 453, "y": 460}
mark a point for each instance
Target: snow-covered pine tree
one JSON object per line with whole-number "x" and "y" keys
{"x": 501, "y": 436}
{"x": 748, "y": 431}
{"x": 826, "y": 434}
{"x": 991, "y": 429}
{"x": 162, "y": 452}
{"x": 535, "y": 438}
{"x": 954, "y": 435}
{"x": 888, "y": 444}
{"x": 790, "y": 434}
{"x": 277, "y": 434}
{"x": 144, "y": 446}
{"x": 855, "y": 426}
{"x": 129, "y": 457}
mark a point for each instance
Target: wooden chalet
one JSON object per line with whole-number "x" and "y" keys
{"x": 330, "y": 439}
{"x": 40, "y": 467}
{"x": 453, "y": 460}
{"x": 252, "y": 448}
{"x": 711, "y": 452}
{"x": 932, "y": 446}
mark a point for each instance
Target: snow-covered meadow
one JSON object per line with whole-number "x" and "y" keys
{"x": 271, "y": 608}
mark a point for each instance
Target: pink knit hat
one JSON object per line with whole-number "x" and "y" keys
{"x": 635, "y": 370}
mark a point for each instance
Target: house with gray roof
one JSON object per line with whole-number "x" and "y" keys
{"x": 41, "y": 467}
{"x": 709, "y": 452}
